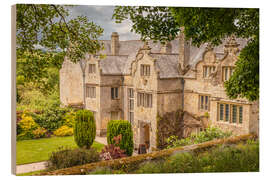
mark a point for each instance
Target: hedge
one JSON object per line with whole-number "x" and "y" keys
{"x": 84, "y": 129}
{"x": 123, "y": 127}
{"x": 133, "y": 161}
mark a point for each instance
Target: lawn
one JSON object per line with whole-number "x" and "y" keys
{"x": 29, "y": 151}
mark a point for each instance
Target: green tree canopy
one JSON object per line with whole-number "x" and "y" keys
{"x": 203, "y": 25}
{"x": 45, "y": 34}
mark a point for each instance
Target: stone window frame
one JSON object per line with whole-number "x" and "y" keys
{"x": 204, "y": 107}
{"x": 114, "y": 93}
{"x": 207, "y": 70}
{"x": 130, "y": 105}
{"x": 91, "y": 68}
{"x": 235, "y": 117}
{"x": 145, "y": 70}
{"x": 90, "y": 91}
{"x": 144, "y": 99}
{"x": 227, "y": 72}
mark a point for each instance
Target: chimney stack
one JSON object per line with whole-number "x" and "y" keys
{"x": 184, "y": 50}
{"x": 166, "y": 48}
{"x": 115, "y": 43}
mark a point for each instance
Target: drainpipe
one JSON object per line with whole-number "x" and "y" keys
{"x": 183, "y": 89}
{"x": 83, "y": 66}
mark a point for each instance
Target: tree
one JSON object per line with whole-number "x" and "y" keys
{"x": 203, "y": 25}
{"x": 45, "y": 34}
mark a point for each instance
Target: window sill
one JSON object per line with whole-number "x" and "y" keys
{"x": 231, "y": 124}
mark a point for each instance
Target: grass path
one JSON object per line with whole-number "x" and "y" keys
{"x": 29, "y": 151}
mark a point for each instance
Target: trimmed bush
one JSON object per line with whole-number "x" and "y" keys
{"x": 123, "y": 127}
{"x": 66, "y": 157}
{"x": 63, "y": 131}
{"x": 84, "y": 129}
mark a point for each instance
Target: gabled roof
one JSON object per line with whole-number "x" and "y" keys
{"x": 167, "y": 63}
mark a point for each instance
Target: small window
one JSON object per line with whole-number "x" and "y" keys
{"x": 130, "y": 93}
{"x": 92, "y": 68}
{"x": 114, "y": 93}
{"x": 234, "y": 113}
{"x": 240, "y": 114}
{"x": 131, "y": 117}
{"x": 227, "y": 112}
{"x": 227, "y": 72}
{"x": 90, "y": 92}
{"x": 221, "y": 111}
{"x": 144, "y": 99}
{"x": 204, "y": 102}
{"x": 207, "y": 70}
{"x": 145, "y": 70}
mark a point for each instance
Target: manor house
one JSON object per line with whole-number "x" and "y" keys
{"x": 141, "y": 82}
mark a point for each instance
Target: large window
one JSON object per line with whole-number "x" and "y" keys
{"x": 145, "y": 70}
{"x": 144, "y": 100}
{"x": 130, "y": 105}
{"x": 90, "y": 91}
{"x": 230, "y": 113}
{"x": 207, "y": 70}
{"x": 204, "y": 103}
{"x": 114, "y": 92}
{"x": 227, "y": 71}
{"x": 92, "y": 68}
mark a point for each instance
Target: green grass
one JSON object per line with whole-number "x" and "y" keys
{"x": 29, "y": 151}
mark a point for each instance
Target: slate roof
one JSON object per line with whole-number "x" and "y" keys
{"x": 167, "y": 63}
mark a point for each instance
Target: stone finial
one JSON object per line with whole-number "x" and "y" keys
{"x": 146, "y": 48}
{"x": 166, "y": 48}
{"x": 209, "y": 47}
{"x": 231, "y": 45}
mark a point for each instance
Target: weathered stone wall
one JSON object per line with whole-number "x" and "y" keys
{"x": 71, "y": 87}
{"x": 213, "y": 86}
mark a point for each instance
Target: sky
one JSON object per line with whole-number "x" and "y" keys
{"x": 102, "y": 16}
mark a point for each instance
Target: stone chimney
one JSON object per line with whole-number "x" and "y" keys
{"x": 184, "y": 50}
{"x": 115, "y": 44}
{"x": 166, "y": 48}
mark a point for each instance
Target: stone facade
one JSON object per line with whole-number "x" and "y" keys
{"x": 140, "y": 81}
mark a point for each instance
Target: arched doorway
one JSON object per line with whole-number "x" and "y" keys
{"x": 145, "y": 134}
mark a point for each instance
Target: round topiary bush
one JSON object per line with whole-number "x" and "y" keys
{"x": 123, "y": 127}
{"x": 84, "y": 129}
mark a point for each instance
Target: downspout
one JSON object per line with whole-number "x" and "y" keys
{"x": 183, "y": 90}
{"x": 83, "y": 66}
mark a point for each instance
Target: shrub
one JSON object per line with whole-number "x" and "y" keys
{"x": 123, "y": 127}
{"x": 84, "y": 129}
{"x": 113, "y": 151}
{"x": 26, "y": 125}
{"x": 63, "y": 131}
{"x": 208, "y": 134}
{"x": 66, "y": 157}
{"x": 69, "y": 119}
{"x": 39, "y": 133}
{"x": 51, "y": 118}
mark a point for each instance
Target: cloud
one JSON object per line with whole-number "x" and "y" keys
{"x": 102, "y": 16}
